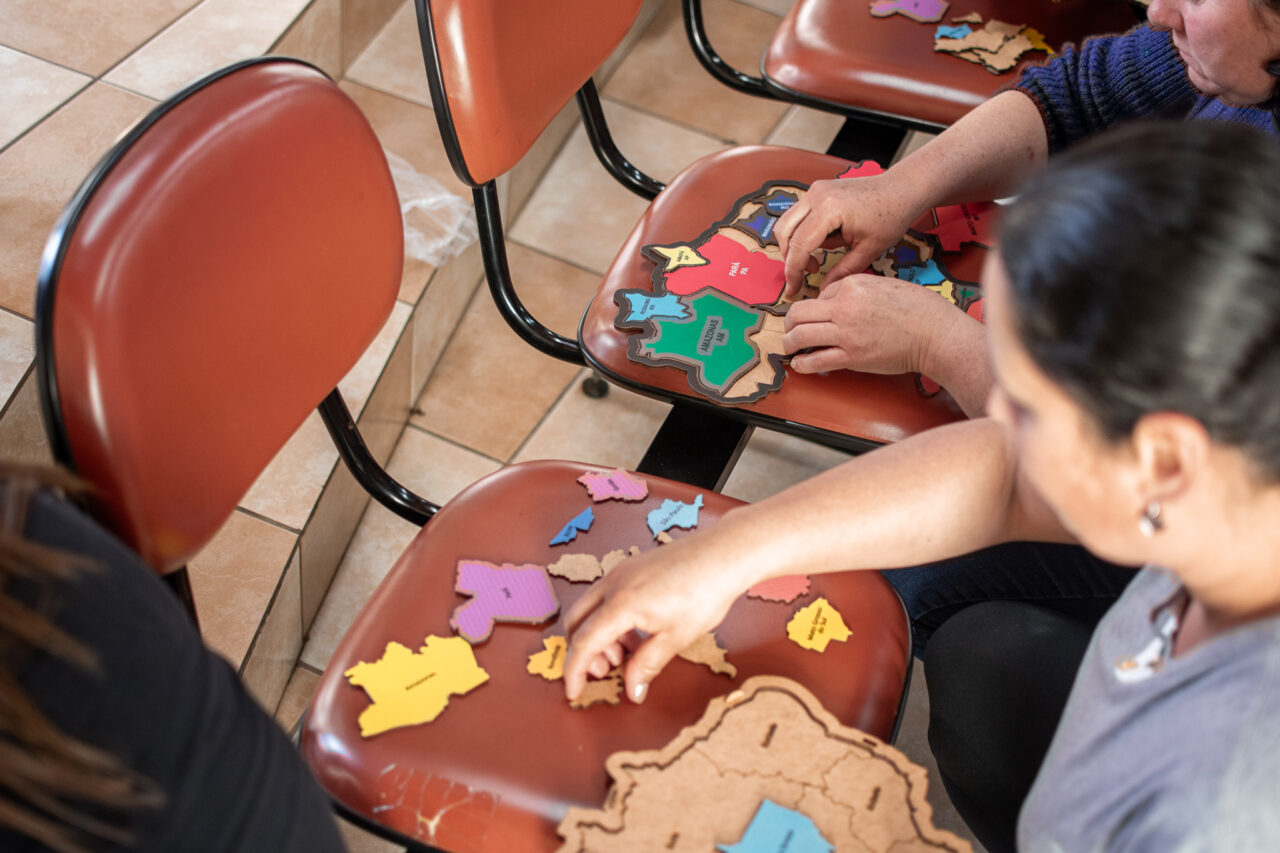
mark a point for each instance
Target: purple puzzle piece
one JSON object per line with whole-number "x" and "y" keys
{"x": 924, "y": 11}
{"x": 505, "y": 593}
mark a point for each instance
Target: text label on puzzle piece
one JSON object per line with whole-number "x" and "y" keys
{"x": 815, "y": 626}
{"x": 614, "y": 485}
{"x": 580, "y": 522}
{"x": 505, "y": 593}
{"x": 674, "y": 514}
{"x": 407, "y": 688}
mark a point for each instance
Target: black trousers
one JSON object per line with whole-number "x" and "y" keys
{"x": 999, "y": 674}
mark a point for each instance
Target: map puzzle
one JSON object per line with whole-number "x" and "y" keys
{"x": 716, "y": 306}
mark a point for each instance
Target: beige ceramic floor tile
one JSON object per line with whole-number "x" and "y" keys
{"x": 213, "y": 34}
{"x": 297, "y": 696}
{"x": 40, "y": 172}
{"x": 362, "y": 841}
{"x": 393, "y": 60}
{"x": 17, "y": 350}
{"x": 358, "y": 384}
{"x": 612, "y": 431}
{"x": 433, "y": 468}
{"x": 87, "y": 35}
{"x": 662, "y": 76}
{"x": 801, "y": 127}
{"x": 776, "y": 7}
{"x": 30, "y": 89}
{"x": 490, "y": 388}
{"x": 773, "y": 461}
{"x": 233, "y": 579}
{"x": 582, "y": 215}
{"x": 913, "y": 741}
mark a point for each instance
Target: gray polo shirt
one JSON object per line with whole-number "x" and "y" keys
{"x": 1159, "y": 753}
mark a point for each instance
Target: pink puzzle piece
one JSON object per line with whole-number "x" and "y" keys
{"x": 865, "y": 169}
{"x": 966, "y": 223}
{"x": 786, "y": 588}
{"x": 505, "y": 593}
{"x": 613, "y": 485}
{"x": 924, "y": 11}
{"x": 731, "y": 268}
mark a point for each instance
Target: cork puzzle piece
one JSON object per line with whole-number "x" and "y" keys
{"x": 596, "y": 690}
{"x": 770, "y": 741}
{"x": 995, "y": 45}
{"x": 706, "y": 650}
{"x": 815, "y": 626}
{"x": 577, "y": 568}
{"x": 921, "y": 11}
{"x": 505, "y": 593}
{"x": 407, "y": 688}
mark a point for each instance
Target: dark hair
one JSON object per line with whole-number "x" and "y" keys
{"x": 1143, "y": 267}
{"x": 63, "y": 793}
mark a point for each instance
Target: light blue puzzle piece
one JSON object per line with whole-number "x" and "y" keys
{"x": 674, "y": 514}
{"x": 776, "y": 828}
{"x": 582, "y": 521}
{"x": 646, "y": 305}
{"x": 926, "y": 274}
{"x": 956, "y": 31}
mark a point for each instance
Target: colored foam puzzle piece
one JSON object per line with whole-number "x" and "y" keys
{"x": 679, "y": 255}
{"x": 966, "y": 223}
{"x": 580, "y": 522}
{"x": 640, "y": 305}
{"x": 615, "y": 485}
{"x": 576, "y": 568}
{"x": 862, "y": 169}
{"x": 549, "y": 663}
{"x": 708, "y": 652}
{"x": 815, "y": 626}
{"x": 607, "y": 689}
{"x": 779, "y": 201}
{"x": 408, "y": 688}
{"x": 922, "y": 11}
{"x": 505, "y": 593}
{"x": 770, "y": 739}
{"x": 732, "y": 269}
{"x": 927, "y": 273}
{"x": 785, "y": 589}
{"x": 776, "y": 828}
{"x": 760, "y": 227}
{"x": 674, "y": 514}
{"x": 1037, "y": 40}
{"x": 768, "y": 373}
{"x": 953, "y": 31}
{"x": 713, "y": 346}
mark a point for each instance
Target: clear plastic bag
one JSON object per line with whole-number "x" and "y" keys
{"x": 437, "y": 223}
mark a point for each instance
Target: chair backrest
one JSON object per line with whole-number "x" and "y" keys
{"x": 500, "y": 70}
{"x": 213, "y": 279}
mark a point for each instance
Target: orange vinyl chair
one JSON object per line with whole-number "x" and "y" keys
{"x": 499, "y": 72}
{"x": 833, "y": 55}
{"x": 210, "y": 283}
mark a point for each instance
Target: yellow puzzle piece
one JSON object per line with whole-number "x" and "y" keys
{"x": 408, "y": 688}
{"x": 816, "y": 625}
{"x": 549, "y": 663}
{"x": 680, "y": 256}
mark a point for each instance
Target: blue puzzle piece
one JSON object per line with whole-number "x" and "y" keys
{"x": 646, "y": 305}
{"x": 905, "y": 255}
{"x": 762, "y": 224}
{"x": 779, "y": 203}
{"x": 926, "y": 274}
{"x": 957, "y": 31}
{"x": 776, "y": 828}
{"x": 674, "y": 514}
{"x": 582, "y": 521}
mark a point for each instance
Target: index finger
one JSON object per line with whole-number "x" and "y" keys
{"x": 588, "y": 640}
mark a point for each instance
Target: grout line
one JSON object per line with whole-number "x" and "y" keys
{"x": 29, "y": 375}
{"x": 703, "y": 132}
{"x": 260, "y": 517}
{"x": 575, "y": 382}
{"x": 454, "y": 443}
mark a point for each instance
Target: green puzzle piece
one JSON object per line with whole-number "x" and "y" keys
{"x": 712, "y": 343}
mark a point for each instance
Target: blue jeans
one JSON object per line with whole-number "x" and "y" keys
{"x": 1064, "y": 578}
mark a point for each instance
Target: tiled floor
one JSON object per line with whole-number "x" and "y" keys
{"x": 492, "y": 400}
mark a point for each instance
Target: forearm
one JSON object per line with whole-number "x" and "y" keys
{"x": 985, "y": 155}
{"x": 956, "y": 359}
{"x": 945, "y": 492}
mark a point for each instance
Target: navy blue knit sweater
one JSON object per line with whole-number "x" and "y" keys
{"x": 1111, "y": 79}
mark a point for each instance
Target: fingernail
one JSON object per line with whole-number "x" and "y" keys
{"x": 637, "y": 693}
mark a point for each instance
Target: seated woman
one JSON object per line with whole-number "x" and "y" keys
{"x": 1134, "y": 326}
{"x": 119, "y": 729}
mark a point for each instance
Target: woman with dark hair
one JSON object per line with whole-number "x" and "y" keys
{"x": 1134, "y": 327}
{"x": 119, "y": 730}
{"x": 1197, "y": 59}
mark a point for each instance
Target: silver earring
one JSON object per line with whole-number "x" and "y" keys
{"x": 1151, "y": 522}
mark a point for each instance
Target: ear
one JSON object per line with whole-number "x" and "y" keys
{"x": 1171, "y": 451}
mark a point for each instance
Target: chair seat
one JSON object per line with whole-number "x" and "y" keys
{"x": 842, "y": 408}
{"x": 498, "y": 769}
{"x": 834, "y": 50}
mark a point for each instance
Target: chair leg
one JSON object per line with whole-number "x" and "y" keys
{"x": 695, "y": 447}
{"x": 179, "y": 583}
{"x": 863, "y": 139}
{"x": 595, "y": 387}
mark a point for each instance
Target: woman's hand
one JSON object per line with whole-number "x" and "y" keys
{"x": 654, "y": 605}
{"x": 869, "y": 214}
